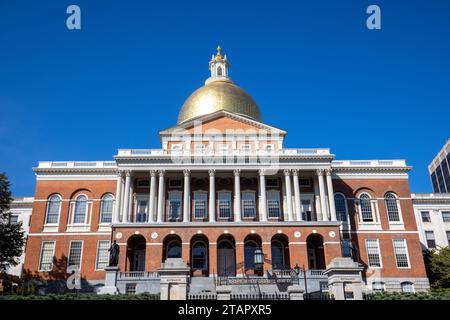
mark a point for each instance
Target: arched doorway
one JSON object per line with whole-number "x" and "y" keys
{"x": 280, "y": 252}
{"x": 136, "y": 253}
{"x": 172, "y": 247}
{"x": 316, "y": 256}
{"x": 199, "y": 256}
{"x": 226, "y": 256}
{"x": 251, "y": 243}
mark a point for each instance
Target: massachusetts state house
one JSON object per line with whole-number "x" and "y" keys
{"x": 222, "y": 187}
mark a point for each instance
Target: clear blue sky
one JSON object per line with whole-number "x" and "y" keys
{"x": 313, "y": 67}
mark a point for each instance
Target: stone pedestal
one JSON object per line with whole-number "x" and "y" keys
{"x": 110, "y": 281}
{"x": 223, "y": 292}
{"x": 344, "y": 279}
{"x": 173, "y": 275}
{"x": 295, "y": 292}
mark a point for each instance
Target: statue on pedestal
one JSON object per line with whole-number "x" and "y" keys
{"x": 114, "y": 251}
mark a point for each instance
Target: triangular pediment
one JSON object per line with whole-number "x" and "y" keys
{"x": 222, "y": 122}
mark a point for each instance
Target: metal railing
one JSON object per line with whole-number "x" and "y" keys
{"x": 260, "y": 296}
{"x": 202, "y": 296}
{"x": 137, "y": 275}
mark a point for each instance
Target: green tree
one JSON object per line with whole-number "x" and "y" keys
{"x": 12, "y": 236}
{"x": 437, "y": 263}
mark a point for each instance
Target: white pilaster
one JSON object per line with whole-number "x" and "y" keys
{"x": 151, "y": 200}
{"x": 126, "y": 197}
{"x": 161, "y": 196}
{"x": 287, "y": 178}
{"x": 263, "y": 195}
{"x": 237, "y": 195}
{"x": 323, "y": 203}
{"x": 298, "y": 203}
{"x": 212, "y": 196}
{"x": 186, "y": 196}
{"x": 116, "y": 217}
{"x": 331, "y": 195}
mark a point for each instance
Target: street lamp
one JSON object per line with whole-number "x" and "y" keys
{"x": 259, "y": 259}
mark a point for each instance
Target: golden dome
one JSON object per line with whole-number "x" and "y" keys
{"x": 219, "y": 95}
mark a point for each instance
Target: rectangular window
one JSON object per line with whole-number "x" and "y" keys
{"x": 307, "y": 214}
{"x": 200, "y": 205}
{"x": 222, "y": 149}
{"x": 13, "y": 219}
{"x": 102, "y": 254}
{"x": 431, "y": 241}
{"x": 174, "y": 205}
{"x": 224, "y": 205}
{"x": 245, "y": 149}
{"x": 425, "y": 216}
{"x": 272, "y": 182}
{"x": 346, "y": 251}
{"x": 175, "y": 183}
{"x": 448, "y": 237}
{"x": 373, "y": 253}
{"x": 47, "y": 254}
{"x": 304, "y": 182}
{"x": 75, "y": 254}
{"x": 248, "y": 205}
{"x": 401, "y": 253}
{"x": 274, "y": 208}
{"x": 446, "y": 216}
{"x": 434, "y": 182}
{"x": 141, "y": 215}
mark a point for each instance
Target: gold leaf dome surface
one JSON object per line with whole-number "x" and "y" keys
{"x": 219, "y": 95}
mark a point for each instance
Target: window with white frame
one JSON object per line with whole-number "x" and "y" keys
{"x": 341, "y": 207}
{"x": 224, "y": 204}
{"x": 75, "y": 249}
{"x": 53, "y": 208}
{"x": 200, "y": 205}
{"x": 199, "y": 148}
{"x": 365, "y": 205}
{"x": 378, "y": 286}
{"x": 273, "y": 204}
{"x": 407, "y": 287}
{"x": 431, "y": 241}
{"x": 401, "y": 253}
{"x": 392, "y": 207}
{"x": 248, "y": 204}
{"x": 106, "y": 209}
{"x": 102, "y": 254}
{"x": 245, "y": 148}
{"x": 174, "y": 205}
{"x": 425, "y": 216}
{"x": 446, "y": 216}
{"x": 47, "y": 254}
{"x": 141, "y": 210}
{"x": 80, "y": 210}
{"x": 373, "y": 253}
{"x": 222, "y": 149}
{"x": 14, "y": 219}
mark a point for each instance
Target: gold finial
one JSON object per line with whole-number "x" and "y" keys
{"x": 218, "y": 55}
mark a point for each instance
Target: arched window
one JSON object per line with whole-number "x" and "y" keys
{"x": 173, "y": 249}
{"x": 106, "y": 209}
{"x": 277, "y": 249}
{"x": 79, "y": 213}
{"x": 392, "y": 207}
{"x": 341, "y": 207}
{"x": 366, "y": 208}
{"x": 219, "y": 71}
{"x": 53, "y": 206}
{"x": 199, "y": 256}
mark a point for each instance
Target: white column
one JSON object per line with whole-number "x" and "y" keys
{"x": 116, "y": 217}
{"x": 186, "y": 196}
{"x": 212, "y": 196}
{"x": 287, "y": 178}
{"x": 298, "y": 202}
{"x": 151, "y": 200}
{"x": 126, "y": 197}
{"x": 161, "y": 196}
{"x": 237, "y": 195}
{"x": 323, "y": 203}
{"x": 331, "y": 195}
{"x": 263, "y": 196}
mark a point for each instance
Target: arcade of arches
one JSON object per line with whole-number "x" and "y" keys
{"x": 225, "y": 256}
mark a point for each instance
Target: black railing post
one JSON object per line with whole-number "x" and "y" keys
{"x": 304, "y": 277}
